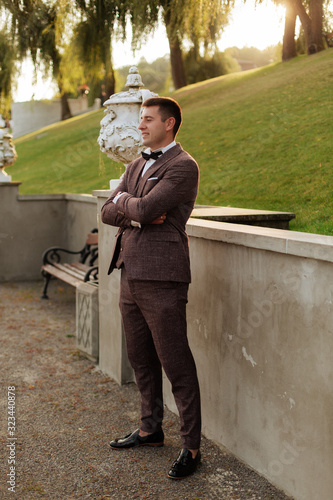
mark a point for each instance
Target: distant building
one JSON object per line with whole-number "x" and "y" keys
{"x": 245, "y": 65}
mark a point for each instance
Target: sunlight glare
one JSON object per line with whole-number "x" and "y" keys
{"x": 254, "y": 26}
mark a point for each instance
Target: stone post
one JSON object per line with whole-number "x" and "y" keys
{"x": 7, "y": 153}
{"x": 112, "y": 350}
{"x": 87, "y": 320}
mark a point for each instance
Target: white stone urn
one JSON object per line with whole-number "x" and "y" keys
{"x": 119, "y": 136}
{"x": 7, "y": 154}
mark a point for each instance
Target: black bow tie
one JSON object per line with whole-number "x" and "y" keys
{"x": 151, "y": 156}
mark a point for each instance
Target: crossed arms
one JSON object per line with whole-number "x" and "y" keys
{"x": 177, "y": 185}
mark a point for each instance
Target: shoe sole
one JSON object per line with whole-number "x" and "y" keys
{"x": 188, "y": 475}
{"x": 156, "y": 445}
{"x": 180, "y": 477}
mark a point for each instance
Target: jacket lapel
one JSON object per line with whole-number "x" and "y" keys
{"x": 156, "y": 166}
{"x": 136, "y": 178}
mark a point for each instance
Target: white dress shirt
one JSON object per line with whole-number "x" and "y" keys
{"x": 148, "y": 164}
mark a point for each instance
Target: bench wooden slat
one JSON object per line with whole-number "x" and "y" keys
{"x": 80, "y": 267}
{"x": 67, "y": 268}
{"x": 71, "y": 268}
{"x": 62, "y": 275}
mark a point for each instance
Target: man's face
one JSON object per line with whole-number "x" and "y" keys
{"x": 155, "y": 133}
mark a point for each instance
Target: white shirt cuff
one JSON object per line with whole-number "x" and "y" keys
{"x": 116, "y": 198}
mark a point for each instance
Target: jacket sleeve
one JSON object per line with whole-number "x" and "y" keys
{"x": 111, "y": 213}
{"x": 178, "y": 185}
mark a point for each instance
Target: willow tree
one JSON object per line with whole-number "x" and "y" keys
{"x": 7, "y": 71}
{"x": 37, "y": 26}
{"x": 92, "y": 37}
{"x": 197, "y": 22}
{"x": 203, "y": 23}
{"x": 100, "y": 22}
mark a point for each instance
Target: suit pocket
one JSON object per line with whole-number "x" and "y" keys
{"x": 149, "y": 185}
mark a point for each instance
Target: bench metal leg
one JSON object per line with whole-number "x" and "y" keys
{"x": 47, "y": 277}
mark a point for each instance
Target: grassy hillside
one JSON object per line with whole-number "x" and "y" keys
{"x": 263, "y": 139}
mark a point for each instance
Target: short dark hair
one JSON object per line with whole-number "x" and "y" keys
{"x": 167, "y": 107}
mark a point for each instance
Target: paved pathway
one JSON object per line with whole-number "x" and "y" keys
{"x": 66, "y": 411}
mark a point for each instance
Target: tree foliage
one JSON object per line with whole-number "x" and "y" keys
{"x": 257, "y": 57}
{"x": 7, "y": 71}
{"x": 156, "y": 76}
{"x": 73, "y": 39}
{"x": 37, "y": 28}
{"x": 101, "y": 21}
{"x": 92, "y": 38}
{"x": 199, "y": 68}
{"x": 200, "y": 22}
{"x": 197, "y": 22}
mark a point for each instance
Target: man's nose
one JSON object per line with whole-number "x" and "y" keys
{"x": 141, "y": 125}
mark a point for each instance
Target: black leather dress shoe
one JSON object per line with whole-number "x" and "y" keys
{"x": 133, "y": 440}
{"x": 184, "y": 465}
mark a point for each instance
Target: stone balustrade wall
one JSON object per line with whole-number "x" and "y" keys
{"x": 260, "y": 323}
{"x": 32, "y": 223}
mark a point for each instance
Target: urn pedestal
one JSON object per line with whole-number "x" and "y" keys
{"x": 87, "y": 320}
{"x": 7, "y": 154}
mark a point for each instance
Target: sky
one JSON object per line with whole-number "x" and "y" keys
{"x": 249, "y": 26}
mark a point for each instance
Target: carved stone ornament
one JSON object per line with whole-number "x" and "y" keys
{"x": 119, "y": 136}
{"x": 7, "y": 154}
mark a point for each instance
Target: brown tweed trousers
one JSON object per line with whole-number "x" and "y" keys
{"x": 155, "y": 276}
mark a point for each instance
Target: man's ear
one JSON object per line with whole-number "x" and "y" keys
{"x": 170, "y": 122}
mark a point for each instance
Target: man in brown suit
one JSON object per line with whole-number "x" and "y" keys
{"x": 151, "y": 207}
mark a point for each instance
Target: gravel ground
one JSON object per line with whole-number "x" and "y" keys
{"x": 67, "y": 411}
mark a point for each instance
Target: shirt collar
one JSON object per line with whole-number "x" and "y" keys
{"x": 164, "y": 150}
{"x": 169, "y": 146}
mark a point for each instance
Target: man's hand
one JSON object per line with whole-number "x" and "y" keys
{"x": 160, "y": 219}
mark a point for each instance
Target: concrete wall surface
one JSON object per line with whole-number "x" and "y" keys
{"x": 33, "y": 115}
{"x": 260, "y": 324}
{"x": 260, "y": 319}
{"x": 32, "y": 223}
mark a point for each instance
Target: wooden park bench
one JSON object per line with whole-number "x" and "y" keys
{"x": 73, "y": 273}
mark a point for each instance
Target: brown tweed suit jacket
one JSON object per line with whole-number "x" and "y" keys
{"x": 154, "y": 252}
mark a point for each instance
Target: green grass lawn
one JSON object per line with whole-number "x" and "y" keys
{"x": 263, "y": 140}
{"x": 64, "y": 158}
